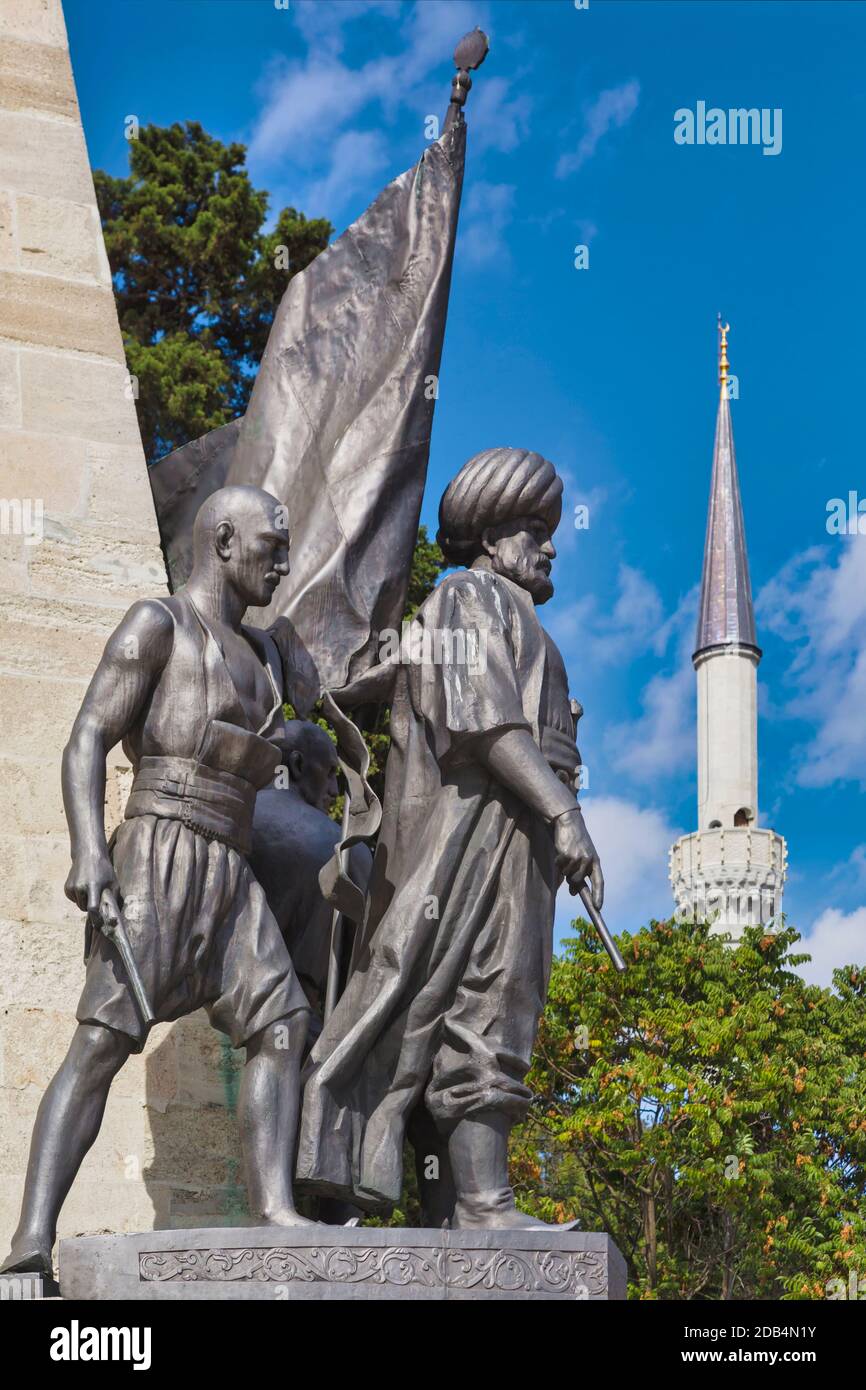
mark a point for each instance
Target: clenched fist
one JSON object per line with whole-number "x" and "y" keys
{"x": 91, "y": 873}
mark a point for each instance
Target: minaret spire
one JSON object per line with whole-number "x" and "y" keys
{"x": 731, "y": 870}
{"x": 726, "y": 614}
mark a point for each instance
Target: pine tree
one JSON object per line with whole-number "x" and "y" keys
{"x": 197, "y": 280}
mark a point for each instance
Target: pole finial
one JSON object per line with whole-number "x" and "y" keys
{"x": 724, "y": 330}
{"x": 469, "y": 54}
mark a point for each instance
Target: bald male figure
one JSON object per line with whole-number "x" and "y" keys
{"x": 195, "y": 696}
{"x": 293, "y": 838}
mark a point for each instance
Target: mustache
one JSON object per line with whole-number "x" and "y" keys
{"x": 542, "y": 565}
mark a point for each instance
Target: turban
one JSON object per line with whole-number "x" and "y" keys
{"x": 496, "y": 485}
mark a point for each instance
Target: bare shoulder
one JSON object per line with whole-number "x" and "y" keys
{"x": 146, "y": 630}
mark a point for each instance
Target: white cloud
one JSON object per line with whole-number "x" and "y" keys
{"x": 817, "y": 602}
{"x": 487, "y": 212}
{"x": 568, "y": 536}
{"x": 323, "y": 26}
{"x": 308, "y": 105}
{"x": 499, "y": 122}
{"x": 432, "y": 29}
{"x": 853, "y": 871}
{"x": 608, "y": 636}
{"x": 638, "y": 608}
{"x": 837, "y": 938}
{"x": 661, "y": 742}
{"x": 632, "y": 843}
{"x": 610, "y": 110}
{"x": 358, "y": 155}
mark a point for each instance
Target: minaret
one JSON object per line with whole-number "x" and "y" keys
{"x": 729, "y": 870}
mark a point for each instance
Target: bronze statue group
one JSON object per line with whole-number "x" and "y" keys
{"x": 215, "y": 869}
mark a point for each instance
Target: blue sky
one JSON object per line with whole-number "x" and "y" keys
{"x": 609, "y": 371}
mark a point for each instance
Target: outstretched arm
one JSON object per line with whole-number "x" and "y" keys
{"x": 134, "y": 656}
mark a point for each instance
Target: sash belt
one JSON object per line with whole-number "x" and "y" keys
{"x": 217, "y": 805}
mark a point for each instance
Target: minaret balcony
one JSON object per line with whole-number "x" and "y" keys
{"x": 730, "y": 876}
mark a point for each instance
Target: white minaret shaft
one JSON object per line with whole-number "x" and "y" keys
{"x": 727, "y": 737}
{"x": 729, "y": 871}
{"x": 726, "y": 653}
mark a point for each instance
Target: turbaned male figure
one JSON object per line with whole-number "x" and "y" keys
{"x": 193, "y": 694}
{"x": 480, "y": 823}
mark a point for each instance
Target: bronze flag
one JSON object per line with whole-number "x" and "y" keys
{"x": 338, "y": 424}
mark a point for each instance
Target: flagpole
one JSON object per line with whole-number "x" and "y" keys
{"x": 468, "y": 55}
{"x": 335, "y": 949}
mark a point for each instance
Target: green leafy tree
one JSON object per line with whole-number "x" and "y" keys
{"x": 197, "y": 280}
{"x": 707, "y": 1109}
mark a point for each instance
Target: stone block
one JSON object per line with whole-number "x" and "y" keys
{"x": 42, "y": 466}
{"x": 43, "y": 964}
{"x": 116, "y": 1157}
{"x": 47, "y": 310}
{"x": 39, "y": 21}
{"x": 97, "y": 1203}
{"x": 34, "y": 871}
{"x": 110, "y": 489}
{"x": 44, "y": 157}
{"x": 75, "y": 396}
{"x": 40, "y": 635}
{"x": 196, "y": 1143}
{"x": 36, "y": 77}
{"x": 8, "y": 242}
{"x": 34, "y": 1043}
{"x": 10, "y": 388}
{"x": 56, "y": 237}
{"x": 14, "y": 571}
{"x": 218, "y": 1206}
{"x": 33, "y": 804}
{"x": 208, "y": 1067}
{"x": 86, "y": 560}
{"x": 29, "y": 707}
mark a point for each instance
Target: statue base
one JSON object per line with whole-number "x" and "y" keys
{"x": 343, "y": 1262}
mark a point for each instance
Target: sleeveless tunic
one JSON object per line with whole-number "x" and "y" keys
{"x": 199, "y": 925}
{"x": 196, "y": 758}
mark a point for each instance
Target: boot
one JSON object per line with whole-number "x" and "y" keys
{"x": 478, "y": 1150}
{"x": 25, "y": 1258}
{"x": 31, "y": 1257}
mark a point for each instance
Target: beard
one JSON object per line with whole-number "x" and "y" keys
{"x": 533, "y": 575}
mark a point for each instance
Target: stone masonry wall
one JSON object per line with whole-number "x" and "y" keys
{"x": 69, "y": 443}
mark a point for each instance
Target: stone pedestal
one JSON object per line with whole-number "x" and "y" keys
{"x": 340, "y": 1262}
